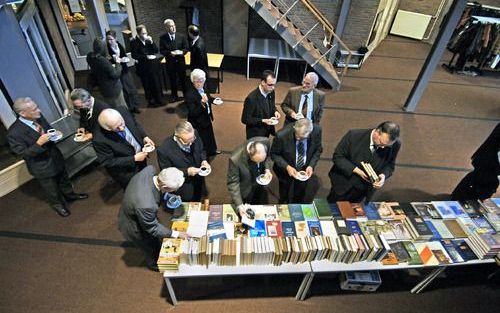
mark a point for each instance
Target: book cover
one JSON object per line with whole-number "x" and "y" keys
{"x": 295, "y": 212}
{"x": 390, "y": 259}
{"x": 435, "y": 233}
{"x": 180, "y": 226}
{"x": 198, "y": 221}
{"x": 341, "y": 226}
{"x": 407, "y": 208}
{"x": 309, "y": 212}
{"x": 229, "y": 213}
{"x": 483, "y": 224}
{"x": 399, "y": 230}
{"x": 399, "y": 250}
{"x": 283, "y": 212}
{"x": 464, "y": 250}
{"x": 322, "y": 208}
{"x": 413, "y": 253}
{"x": 215, "y": 213}
{"x": 288, "y": 228}
{"x": 328, "y": 228}
{"x": 455, "y": 229}
{"x": 265, "y": 212}
{"x": 439, "y": 252}
{"x": 443, "y": 209}
{"x": 314, "y": 228}
{"x": 346, "y": 210}
{"x": 274, "y": 229}
{"x": 398, "y": 212}
{"x": 421, "y": 227}
{"x": 489, "y": 205}
{"x": 357, "y": 209}
{"x": 259, "y": 230}
{"x": 425, "y": 209}
{"x": 215, "y": 225}
{"x": 385, "y": 211}
{"x": 334, "y": 209}
{"x": 371, "y": 211}
{"x": 452, "y": 251}
{"x": 353, "y": 227}
{"x": 471, "y": 207}
{"x": 442, "y": 229}
{"x": 301, "y": 229}
{"x": 456, "y": 208}
{"x": 426, "y": 254}
{"x": 378, "y": 227}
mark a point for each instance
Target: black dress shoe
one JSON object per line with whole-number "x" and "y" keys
{"x": 153, "y": 268}
{"x": 76, "y": 196}
{"x": 61, "y": 210}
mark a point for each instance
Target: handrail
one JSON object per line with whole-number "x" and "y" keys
{"x": 314, "y": 10}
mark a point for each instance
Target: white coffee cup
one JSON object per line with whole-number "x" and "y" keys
{"x": 52, "y": 134}
{"x": 79, "y": 136}
{"x": 148, "y": 148}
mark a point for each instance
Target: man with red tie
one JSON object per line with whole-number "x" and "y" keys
{"x": 28, "y": 138}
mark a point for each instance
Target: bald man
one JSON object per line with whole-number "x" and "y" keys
{"x": 304, "y": 101}
{"x": 28, "y": 139}
{"x": 118, "y": 142}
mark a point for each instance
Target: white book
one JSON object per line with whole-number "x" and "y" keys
{"x": 443, "y": 209}
{"x": 328, "y": 228}
{"x": 198, "y": 221}
{"x": 442, "y": 229}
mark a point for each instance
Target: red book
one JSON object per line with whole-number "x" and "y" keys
{"x": 274, "y": 229}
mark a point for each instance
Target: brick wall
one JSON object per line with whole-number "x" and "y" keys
{"x": 359, "y": 23}
{"x": 428, "y": 7}
{"x": 152, "y": 13}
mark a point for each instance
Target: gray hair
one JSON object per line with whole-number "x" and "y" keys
{"x": 198, "y": 74}
{"x": 314, "y": 78}
{"x": 390, "y": 128}
{"x": 20, "y": 104}
{"x": 108, "y": 116}
{"x": 171, "y": 178}
{"x": 168, "y": 21}
{"x": 183, "y": 127}
{"x": 303, "y": 126}
{"x": 253, "y": 147}
{"x": 80, "y": 94}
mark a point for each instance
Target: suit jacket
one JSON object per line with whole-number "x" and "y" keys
{"x": 199, "y": 57}
{"x": 91, "y": 123}
{"x": 292, "y": 103}
{"x": 353, "y": 149}
{"x": 122, "y": 54}
{"x": 115, "y": 153}
{"x": 105, "y": 75}
{"x": 283, "y": 150}
{"x": 167, "y": 46}
{"x": 197, "y": 114}
{"x": 140, "y": 52}
{"x": 138, "y": 219}
{"x": 42, "y": 161}
{"x": 256, "y": 108}
{"x": 486, "y": 156}
{"x": 239, "y": 177}
{"x": 171, "y": 155}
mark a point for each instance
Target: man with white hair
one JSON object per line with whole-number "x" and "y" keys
{"x": 174, "y": 46}
{"x": 184, "y": 150}
{"x": 28, "y": 138}
{"x": 304, "y": 101}
{"x": 118, "y": 143}
{"x": 297, "y": 148}
{"x": 89, "y": 108}
{"x": 138, "y": 217}
{"x": 200, "y": 112}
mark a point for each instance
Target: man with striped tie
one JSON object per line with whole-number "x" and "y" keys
{"x": 28, "y": 138}
{"x": 118, "y": 143}
{"x": 296, "y": 151}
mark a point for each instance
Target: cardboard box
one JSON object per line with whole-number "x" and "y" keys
{"x": 360, "y": 281}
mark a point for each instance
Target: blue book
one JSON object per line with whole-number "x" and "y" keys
{"x": 481, "y": 222}
{"x": 443, "y": 209}
{"x": 496, "y": 201}
{"x": 215, "y": 225}
{"x": 371, "y": 211}
{"x": 296, "y": 212}
{"x": 335, "y": 210}
{"x": 452, "y": 251}
{"x": 457, "y": 208}
{"x": 464, "y": 250}
{"x": 314, "y": 228}
{"x": 259, "y": 230}
{"x": 353, "y": 227}
{"x": 288, "y": 229}
{"x": 220, "y": 236}
{"x": 435, "y": 233}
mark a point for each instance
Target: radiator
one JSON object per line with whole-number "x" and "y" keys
{"x": 410, "y": 24}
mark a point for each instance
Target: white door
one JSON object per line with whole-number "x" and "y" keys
{"x": 44, "y": 56}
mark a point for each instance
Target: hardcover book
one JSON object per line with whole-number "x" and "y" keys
{"x": 413, "y": 253}
{"x": 322, "y": 209}
{"x": 259, "y": 230}
{"x": 471, "y": 207}
{"x": 371, "y": 211}
{"x": 296, "y": 212}
{"x": 443, "y": 209}
{"x": 309, "y": 212}
{"x": 464, "y": 250}
{"x": 334, "y": 209}
{"x": 399, "y": 250}
{"x": 452, "y": 251}
{"x": 301, "y": 229}
{"x": 288, "y": 229}
{"x": 425, "y": 210}
{"x": 314, "y": 228}
{"x": 456, "y": 208}
{"x": 353, "y": 227}
{"x": 215, "y": 213}
{"x": 274, "y": 229}
{"x": 455, "y": 229}
{"x": 341, "y": 226}
{"x": 283, "y": 212}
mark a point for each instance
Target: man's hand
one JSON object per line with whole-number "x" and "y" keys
{"x": 192, "y": 171}
{"x": 309, "y": 171}
{"x": 277, "y": 114}
{"x": 140, "y": 156}
{"x": 293, "y": 115}
{"x": 204, "y": 98}
{"x": 204, "y": 163}
{"x": 292, "y": 172}
{"x": 148, "y": 140}
{"x": 361, "y": 174}
{"x": 183, "y": 235}
{"x": 380, "y": 183}
{"x": 267, "y": 174}
{"x": 43, "y": 139}
{"x": 242, "y": 209}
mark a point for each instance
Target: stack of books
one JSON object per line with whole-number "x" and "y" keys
{"x": 169, "y": 257}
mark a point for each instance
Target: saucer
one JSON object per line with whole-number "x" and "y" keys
{"x": 274, "y": 121}
{"x": 263, "y": 182}
{"x": 148, "y": 149}
{"x": 218, "y": 101}
{"x": 298, "y": 116}
{"x": 205, "y": 173}
{"x": 56, "y": 138}
{"x": 301, "y": 177}
{"x": 177, "y": 52}
{"x": 80, "y": 139}
{"x": 125, "y": 60}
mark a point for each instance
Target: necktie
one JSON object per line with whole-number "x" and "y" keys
{"x": 172, "y": 37}
{"x": 131, "y": 140}
{"x": 304, "y": 107}
{"x": 300, "y": 155}
{"x": 38, "y": 128}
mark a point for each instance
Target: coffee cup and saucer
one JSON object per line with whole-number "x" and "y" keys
{"x": 302, "y": 176}
{"x": 205, "y": 170}
{"x": 148, "y": 148}
{"x": 54, "y": 134}
{"x": 298, "y": 116}
{"x": 218, "y": 101}
{"x": 274, "y": 120}
{"x": 79, "y": 137}
{"x": 264, "y": 179}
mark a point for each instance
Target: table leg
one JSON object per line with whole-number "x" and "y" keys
{"x": 428, "y": 279}
{"x": 248, "y": 67}
{"x": 171, "y": 291}
{"x": 276, "y": 67}
{"x": 302, "y": 286}
{"x": 306, "y": 289}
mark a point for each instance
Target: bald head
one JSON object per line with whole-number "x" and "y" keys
{"x": 257, "y": 151}
{"x": 112, "y": 120}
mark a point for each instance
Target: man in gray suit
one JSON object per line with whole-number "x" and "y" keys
{"x": 304, "y": 101}
{"x": 138, "y": 221}
{"x": 247, "y": 162}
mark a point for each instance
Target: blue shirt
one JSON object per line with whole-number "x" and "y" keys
{"x": 31, "y": 124}
{"x": 309, "y": 104}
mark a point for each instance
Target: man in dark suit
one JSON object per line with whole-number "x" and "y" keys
{"x": 379, "y": 147}
{"x": 89, "y": 108}
{"x": 174, "y": 46}
{"x": 184, "y": 150}
{"x": 247, "y": 162}
{"x": 148, "y": 67}
{"x": 138, "y": 220}
{"x": 304, "y": 101}
{"x": 259, "y": 109}
{"x": 28, "y": 138}
{"x": 200, "y": 112}
{"x": 198, "y": 50}
{"x": 297, "y": 148}
{"x": 482, "y": 182}
{"x": 118, "y": 143}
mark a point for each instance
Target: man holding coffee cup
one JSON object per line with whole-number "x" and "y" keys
{"x": 28, "y": 138}
{"x": 296, "y": 151}
{"x": 185, "y": 151}
{"x": 89, "y": 108}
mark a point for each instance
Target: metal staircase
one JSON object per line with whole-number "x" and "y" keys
{"x": 305, "y": 29}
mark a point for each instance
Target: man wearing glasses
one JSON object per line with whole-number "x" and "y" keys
{"x": 89, "y": 108}
{"x": 259, "y": 110}
{"x": 379, "y": 147}
{"x": 184, "y": 150}
{"x": 296, "y": 151}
